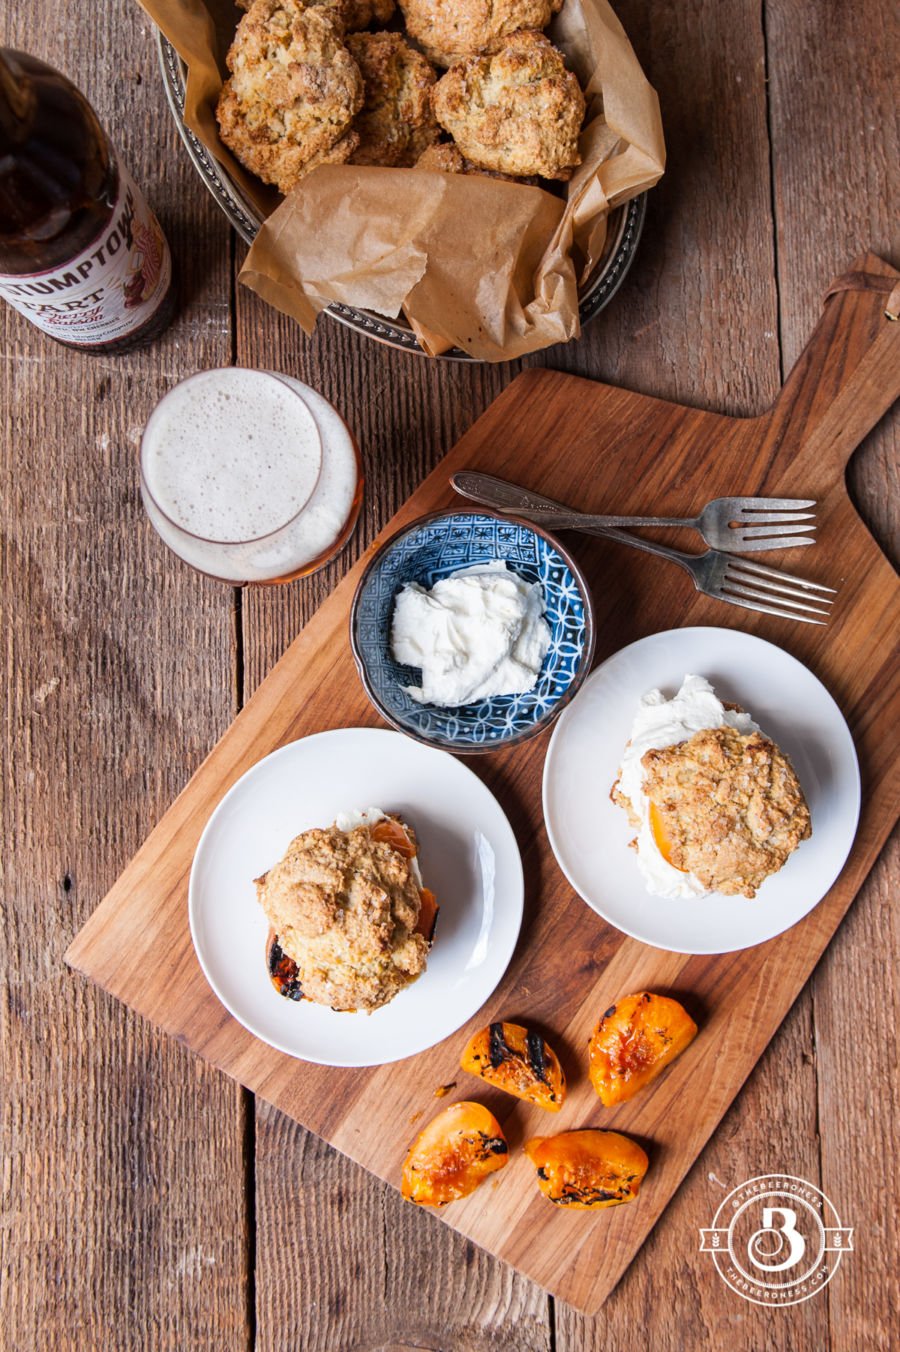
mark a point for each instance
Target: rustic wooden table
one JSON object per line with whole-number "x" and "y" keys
{"x": 148, "y": 1202}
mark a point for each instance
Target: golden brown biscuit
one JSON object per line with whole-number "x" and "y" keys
{"x": 345, "y": 907}
{"x": 450, "y": 30}
{"x": 729, "y": 805}
{"x": 337, "y": 10}
{"x": 397, "y": 122}
{"x": 292, "y": 95}
{"x": 624, "y": 802}
{"x": 350, "y": 15}
{"x": 445, "y": 158}
{"x": 516, "y": 110}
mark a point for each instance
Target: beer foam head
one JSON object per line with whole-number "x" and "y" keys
{"x": 232, "y": 455}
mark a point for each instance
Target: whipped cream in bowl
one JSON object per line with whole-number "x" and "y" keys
{"x": 478, "y": 633}
{"x": 658, "y": 723}
{"x": 471, "y": 630}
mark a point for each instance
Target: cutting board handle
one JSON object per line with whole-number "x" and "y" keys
{"x": 848, "y": 375}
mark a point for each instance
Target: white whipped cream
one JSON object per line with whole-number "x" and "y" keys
{"x": 659, "y": 723}
{"x": 368, "y": 816}
{"x": 478, "y": 633}
{"x": 359, "y": 816}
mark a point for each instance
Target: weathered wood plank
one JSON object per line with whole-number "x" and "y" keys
{"x": 371, "y": 1271}
{"x": 123, "y": 1200}
{"x": 345, "y": 1263}
{"x": 696, "y": 319}
{"x": 648, "y": 351}
{"x": 836, "y": 158}
{"x": 725, "y": 370}
{"x": 676, "y": 336}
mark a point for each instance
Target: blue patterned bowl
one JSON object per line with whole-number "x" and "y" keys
{"x": 433, "y": 547}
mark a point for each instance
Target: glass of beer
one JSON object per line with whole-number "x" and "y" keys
{"x": 250, "y": 476}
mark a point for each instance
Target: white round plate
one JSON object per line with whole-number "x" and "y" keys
{"x": 469, "y": 859}
{"x": 590, "y": 835}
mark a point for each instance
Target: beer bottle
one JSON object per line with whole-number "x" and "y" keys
{"x": 81, "y": 253}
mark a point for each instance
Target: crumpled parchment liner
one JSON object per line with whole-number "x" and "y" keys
{"x": 472, "y": 262}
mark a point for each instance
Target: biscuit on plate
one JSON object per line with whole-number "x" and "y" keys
{"x": 397, "y": 122}
{"x": 729, "y": 805}
{"x": 347, "y": 907}
{"x": 292, "y": 95}
{"x": 516, "y": 109}
{"x": 350, "y": 15}
{"x": 450, "y": 30}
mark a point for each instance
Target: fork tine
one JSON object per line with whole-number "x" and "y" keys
{"x": 771, "y": 504}
{"x": 760, "y": 518}
{"x": 786, "y": 542}
{"x": 755, "y": 594}
{"x": 755, "y": 532}
{"x": 768, "y": 585}
{"x": 762, "y": 571}
{"x": 770, "y": 610}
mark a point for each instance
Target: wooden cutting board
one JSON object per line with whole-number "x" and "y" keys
{"x": 599, "y": 448}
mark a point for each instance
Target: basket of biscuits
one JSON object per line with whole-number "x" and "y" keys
{"x": 460, "y": 177}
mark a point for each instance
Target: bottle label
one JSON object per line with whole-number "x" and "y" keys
{"x": 109, "y": 290}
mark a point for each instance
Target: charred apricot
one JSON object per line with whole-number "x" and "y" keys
{"x": 588, "y": 1170}
{"x": 519, "y": 1061}
{"x": 454, "y": 1153}
{"x": 634, "y": 1041}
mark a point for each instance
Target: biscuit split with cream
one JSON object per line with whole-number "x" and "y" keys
{"x": 717, "y": 805}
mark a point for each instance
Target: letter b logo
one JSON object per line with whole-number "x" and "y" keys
{"x": 766, "y": 1247}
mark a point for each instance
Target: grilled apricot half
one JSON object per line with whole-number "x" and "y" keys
{"x": 519, "y": 1061}
{"x": 635, "y": 1039}
{"x": 587, "y": 1170}
{"x": 454, "y": 1153}
{"x": 390, "y": 831}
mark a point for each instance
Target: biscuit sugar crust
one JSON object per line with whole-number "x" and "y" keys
{"x": 450, "y": 30}
{"x": 293, "y": 92}
{"x": 345, "y": 908}
{"x": 516, "y": 110}
{"x": 349, "y": 15}
{"x": 397, "y": 122}
{"x": 730, "y": 805}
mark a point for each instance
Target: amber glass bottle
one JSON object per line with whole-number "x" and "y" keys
{"x": 81, "y": 253}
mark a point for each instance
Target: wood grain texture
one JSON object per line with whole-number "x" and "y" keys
{"x": 379, "y": 1274}
{"x": 670, "y": 332}
{"x": 563, "y": 983}
{"x": 122, "y": 1219}
{"x": 699, "y": 319}
{"x": 832, "y": 104}
{"x": 383, "y": 1276}
{"x": 673, "y": 333}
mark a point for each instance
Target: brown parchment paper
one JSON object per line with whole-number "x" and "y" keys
{"x": 472, "y": 262}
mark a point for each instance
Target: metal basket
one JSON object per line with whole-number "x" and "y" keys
{"x": 625, "y": 225}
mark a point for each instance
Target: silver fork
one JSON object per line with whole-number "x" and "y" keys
{"x": 737, "y": 525}
{"x": 740, "y": 582}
